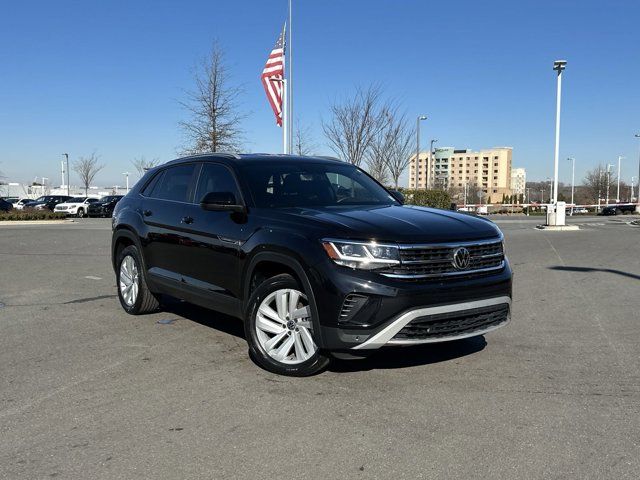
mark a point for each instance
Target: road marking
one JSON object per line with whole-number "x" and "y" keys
{"x": 91, "y": 277}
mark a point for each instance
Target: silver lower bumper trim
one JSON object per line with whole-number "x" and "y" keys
{"x": 385, "y": 336}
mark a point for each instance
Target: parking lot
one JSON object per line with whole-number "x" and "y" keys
{"x": 87, "y": 391}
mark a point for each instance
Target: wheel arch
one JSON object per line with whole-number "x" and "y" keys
{"x": 273, "y": 263}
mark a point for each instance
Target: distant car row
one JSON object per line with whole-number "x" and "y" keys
{"x": 76, "y": 206}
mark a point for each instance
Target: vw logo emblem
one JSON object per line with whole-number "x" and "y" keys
{"x": 461, "y": 258}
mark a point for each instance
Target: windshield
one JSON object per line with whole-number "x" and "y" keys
{"x": 313, "y": 185}
{"x": 76, "y": 200}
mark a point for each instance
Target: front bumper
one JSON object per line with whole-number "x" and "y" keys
{"x": 391, "y": 305}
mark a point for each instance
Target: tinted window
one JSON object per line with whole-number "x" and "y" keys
{"x": 174, "y": 184}
{"x": 318, "y": 185}
{"x": 216, "y": 178}
{"x": 148, "y": 189}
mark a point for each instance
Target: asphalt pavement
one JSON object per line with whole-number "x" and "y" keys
{"x": 89, "y": 392}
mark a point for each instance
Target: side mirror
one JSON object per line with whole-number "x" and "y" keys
{"x": 397, "y": 195}
{"x": 221, "y": 201}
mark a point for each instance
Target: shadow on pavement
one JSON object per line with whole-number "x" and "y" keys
{"x": 403, "y": 357}
{"x": 591, "y": 269}
{"x": 385, "y": 358}
{"x": 203, "y": 316}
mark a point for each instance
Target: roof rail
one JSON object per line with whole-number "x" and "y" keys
{"x": 328, "y": 157}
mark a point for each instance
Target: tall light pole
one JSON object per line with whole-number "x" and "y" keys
{"x": 126, "y": 175}
{"x": 430, "y": 160}
{"x": 637, "y": 135}
{"x": 631, "y": 197}
{"x": 573, "y": 180}
{"x": 67, "y": 156}
{"x": 418, "y": 119}
{"x": 558, "y": 66}
{"x": 609, "y": 165}
{"x": 618, "y": 194}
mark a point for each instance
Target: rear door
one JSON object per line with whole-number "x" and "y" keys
{"x": 163, "y": 210}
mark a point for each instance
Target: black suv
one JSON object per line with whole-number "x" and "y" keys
{"x": 312, "y": 253}
{"x": 626, "y": 209}
{"x": 103, "y": 207}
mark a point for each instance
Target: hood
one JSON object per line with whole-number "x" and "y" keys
{"x": 405, "y": 224}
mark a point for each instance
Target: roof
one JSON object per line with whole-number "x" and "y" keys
{"x": 255, "y": 157}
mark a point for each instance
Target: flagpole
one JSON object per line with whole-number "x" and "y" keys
{"x": 285, "y": 123}
{"x": 290, "y": 84}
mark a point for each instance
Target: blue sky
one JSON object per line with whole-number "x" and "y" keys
{"x": 107, "y": 76}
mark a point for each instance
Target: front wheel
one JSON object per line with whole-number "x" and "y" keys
{"x": 80, "y": 213}
{"x": 280, "y": 330}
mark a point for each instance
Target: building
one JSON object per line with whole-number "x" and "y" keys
{"x": 488, "y": 171}
{"x": 518, "y": 181}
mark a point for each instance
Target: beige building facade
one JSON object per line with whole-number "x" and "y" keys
{"x": 487, "y": 170}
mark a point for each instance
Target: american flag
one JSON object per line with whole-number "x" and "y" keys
{"x": 272, "y": 77}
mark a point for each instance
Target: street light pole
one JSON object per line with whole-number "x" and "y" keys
{"x": 558, "y": 66}
{"x": 126, "y": 175}
{"x": 609, "y": 165}
{"x": 637, "y": 135}
{"x": 573, "y": 180}
{"x": 67, "y": 156}
{"x": 420, "y": 117}
{"x": 618, "y": 194}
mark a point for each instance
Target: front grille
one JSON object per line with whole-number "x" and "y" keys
{"x": 437, "y": 260}
{"x": 454, "y": 323}
{"x": 59, "y": 207}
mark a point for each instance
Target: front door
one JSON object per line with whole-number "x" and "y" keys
{"x": 215, "y": 238}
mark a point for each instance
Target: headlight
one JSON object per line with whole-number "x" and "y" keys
{"x": 365, "y": 256}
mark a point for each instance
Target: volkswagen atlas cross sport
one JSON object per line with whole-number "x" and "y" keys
{"x": 315, "y": 256}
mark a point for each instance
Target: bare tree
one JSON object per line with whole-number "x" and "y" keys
{"x": 142, "y": 164}
{"x": 400, "y": 136}
{"x": 303, "y": 143}
{"x": 214, "y": 123}
{"x": 87, "y": 168}
{"x": 354, "y": 124}
{"x": 595, "y": 182}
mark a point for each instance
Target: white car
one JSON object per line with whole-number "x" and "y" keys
{"x": 75, "y": 206}
{"x": 21, "y": 204}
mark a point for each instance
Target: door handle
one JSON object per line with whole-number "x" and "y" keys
{"x": 187, "y": 220}
{"x": 147, "y": 213}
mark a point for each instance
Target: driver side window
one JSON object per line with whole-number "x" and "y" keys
{"x": 215, "y": 177}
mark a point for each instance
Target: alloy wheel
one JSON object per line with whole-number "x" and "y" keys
{"x": 129, "y": 281}
{"x": 283, "y": 326}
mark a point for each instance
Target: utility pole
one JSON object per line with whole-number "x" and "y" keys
{"x": 637, "y": 135}
{"x": 126, "y": 176}
{"x": 573, "y": 179}
{"x": 418, "y": 119}
{"x": 609, "y": 165}
{"x": 618, "y": 193}
{"x": 558, "y": 66}
{"x": 67, "y": 157}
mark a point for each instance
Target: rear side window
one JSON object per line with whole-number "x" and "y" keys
{"x": 216, "y": 178}
{"x": 174, "y": 185}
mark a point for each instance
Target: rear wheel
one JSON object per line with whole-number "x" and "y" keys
{"x": 280, "y": 330}
{"x": 133, "y": 292}
{"x": 618, "y": 211}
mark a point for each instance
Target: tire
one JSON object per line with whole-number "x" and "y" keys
{"x": 80, "y": 213}
{"x": 143, "y": 300}
{"x": 618, "y": 211}
{"x": 304, "y": 358}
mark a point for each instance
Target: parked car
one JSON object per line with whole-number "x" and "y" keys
{"x": 76, "y": 206}
{"x": 577, "y": 211}
{"x": 618, "y": 209}
{"x": 5, "y": 206}
{"x": 310, "y": 268}
{"x": 48, "y": 202}
{"x": 104, "y": 207}
{"x": 23, "y": 203}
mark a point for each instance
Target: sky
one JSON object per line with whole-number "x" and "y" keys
{"x": 107, "y": 76}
